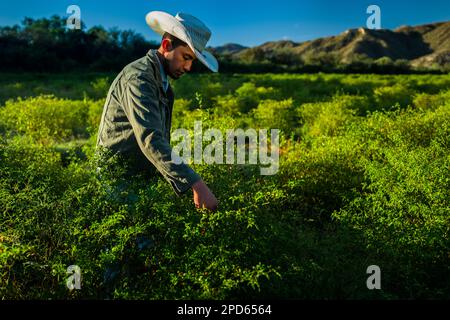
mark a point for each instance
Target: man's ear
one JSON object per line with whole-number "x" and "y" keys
{"x": 166, "y": 45}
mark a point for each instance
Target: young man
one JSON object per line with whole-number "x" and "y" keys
{"x": 137, "y": 114}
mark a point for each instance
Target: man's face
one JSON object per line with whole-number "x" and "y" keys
{"x": 178, "y": 60}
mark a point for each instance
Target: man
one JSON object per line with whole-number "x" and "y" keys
{"x": 137, "y": 114}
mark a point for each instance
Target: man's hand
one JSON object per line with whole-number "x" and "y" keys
{"x": 203, "y": 197}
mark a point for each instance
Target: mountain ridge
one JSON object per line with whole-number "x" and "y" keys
{"x": 423, "y": 45}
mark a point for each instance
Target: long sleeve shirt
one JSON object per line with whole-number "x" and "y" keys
{"x": 136, "y": 122}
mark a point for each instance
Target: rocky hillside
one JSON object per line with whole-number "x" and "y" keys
{"x": 425, "y": 46}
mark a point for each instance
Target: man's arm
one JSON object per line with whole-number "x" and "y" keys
{"x": 141, "y": 105}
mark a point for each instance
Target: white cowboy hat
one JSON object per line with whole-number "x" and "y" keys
{"x": 186, "y": 28}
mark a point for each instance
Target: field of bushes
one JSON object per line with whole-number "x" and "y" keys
{"x": 363, "y": 180}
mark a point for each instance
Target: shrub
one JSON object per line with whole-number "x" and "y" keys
{"x": 245, "y": 99}
{"x": 46, "y": 117}
{"x": 131, "y": 238}
{"x": 362, "y": 105}
{"x": 248, "y": 96}
{"x": 94, "y": 116}
{"x": 324, "y": 118}
{"x": 272, "y": 114}
{"x": 426, "y": 101}
{"x": 100, "y": 87}
{"x": 362, "y": 186}
{"x": 403, "y": 207}
{"x": 388, "y": 97}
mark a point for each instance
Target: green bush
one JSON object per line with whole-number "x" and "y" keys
{"x": 272, "y": 114}
{"x": 46, "y": 117}
{"x": 245, "y": 98}
{"x": 388, "y": 97}
{"x": 426, "y": 101}
{"x": 94, "y": 116}
{"x": 100, "y": 87}
{"x": 324, "y": 118}
{"x": 361, "y": 105}
{"x": 156, "y": 246}
{"x": 403, "y": 208}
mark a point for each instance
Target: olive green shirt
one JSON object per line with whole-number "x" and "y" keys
{"x": 136, "y": 123}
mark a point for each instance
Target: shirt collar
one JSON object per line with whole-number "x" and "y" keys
{"x": 164, "y": 79}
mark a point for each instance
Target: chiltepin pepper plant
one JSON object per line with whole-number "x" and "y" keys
{"x": 363, "y": 180}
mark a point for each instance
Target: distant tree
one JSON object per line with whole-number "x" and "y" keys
{"x": 384, "y": 61}
{"x": 253, "y": 55}
{"x": 285, "y": 56}
{"x": 401, "y": 63}
{"x": 323, "y": 59}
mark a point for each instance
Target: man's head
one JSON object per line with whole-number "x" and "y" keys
{"x": 178, "y": 57}
{"x": 193, "y": 35}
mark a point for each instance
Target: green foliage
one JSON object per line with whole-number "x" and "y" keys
{"x": 403, "y": 208}
{"x": 384, "y": 61}
{"x": 245, "y": 98}
{"x": 276, "y": 115}
{"x": 47, "y": 45}
{"x": 327, "y": 118}
{"x": 325, "y": 59}
{"x": 357, "y": 185}
{"x": 46, "y": 118}
{"x": 100, "y": 87}
{"x": 389, "y": 97}
{"x": 252, "y": 55}
{"x": 426, "y": 101}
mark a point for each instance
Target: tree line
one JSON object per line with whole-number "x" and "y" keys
{"x": 47, "y": 45}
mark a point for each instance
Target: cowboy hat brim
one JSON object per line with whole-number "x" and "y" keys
{"x": 162, "y": 22}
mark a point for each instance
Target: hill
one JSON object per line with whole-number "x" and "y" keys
{"x": 421, "y": 46}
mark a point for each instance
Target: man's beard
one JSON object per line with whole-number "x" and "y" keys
{"x": 167, "y": 69}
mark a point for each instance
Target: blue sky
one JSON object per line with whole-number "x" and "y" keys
{"x": 248, "y": 22}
